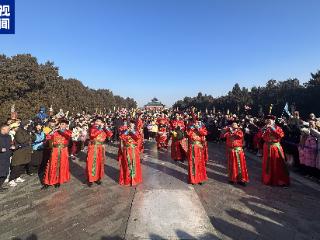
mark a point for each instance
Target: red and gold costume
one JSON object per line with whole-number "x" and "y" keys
{"x": 140, "y": 129}
{"x": 57, "y": 170}
{"x": 237, "y": 167}
{"x": 179, "y": 146}
{"x": 162, "y": 137}
{"x": 197, "y": 154}
{"x": 274, "y": 169}
{"x": 129, "y": 161}
{"x": 122, "y": 129}
{"x": 96, "y": 153}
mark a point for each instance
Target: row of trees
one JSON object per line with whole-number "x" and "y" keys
{"x": 302, "y": 97}
{"x": 29, "y": 85}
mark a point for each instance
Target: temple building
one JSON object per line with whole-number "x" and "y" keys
{"x": 155, "y": 104}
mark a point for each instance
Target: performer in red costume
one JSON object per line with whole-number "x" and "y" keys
{"x": 122, "y": 129}
{"x": 129, "y": 161}
{"x": 197, "y": 154}
{"x": 97, "y": 152}
{"x": 163, "y": 126}
{"x": 179, "y": 146}
{"x": 140, "y": 130}
{"x": 237, "y": 167}
{"x": 57, "y": 170}
{"x": 274, "y": 169}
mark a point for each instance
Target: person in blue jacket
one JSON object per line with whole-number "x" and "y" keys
{"x": 37, "y": 149}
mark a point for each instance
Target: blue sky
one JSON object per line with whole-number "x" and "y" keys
{"x": 170, "y": 48}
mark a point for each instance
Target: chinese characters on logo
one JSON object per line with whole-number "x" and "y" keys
{"x": 4, "y": 17}
{"x": 7, "y": 17}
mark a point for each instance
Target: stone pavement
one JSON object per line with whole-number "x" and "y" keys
{"x": 163, "y": 207}
{"x": 164, "y": 203}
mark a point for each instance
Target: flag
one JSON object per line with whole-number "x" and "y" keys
{"x": 286, "y": 110}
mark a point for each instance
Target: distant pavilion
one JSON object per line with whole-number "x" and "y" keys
{"x": 155, "y": 104}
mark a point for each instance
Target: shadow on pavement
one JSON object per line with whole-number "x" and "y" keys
{"x": 262, "y": 212}
{"x": 31, "y": 237}
{"x": 182, "y": 235}
{"x": 112, "y": 172}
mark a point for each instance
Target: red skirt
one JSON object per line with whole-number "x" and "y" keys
{"x": 177, "y": 151}
{"x": 274, "y": 169}
{"x": 162, "y": 140}
{"x": 197, "y": 164}
{"x": 95, "y": 162}
{"x": 57, "y": 170}
{"x": 130, "y": 166}
{"x": 237, "y": 167}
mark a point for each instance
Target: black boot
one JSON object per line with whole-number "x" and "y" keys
{"x": 99, "y": 182}
{"x": 242, "y": 183}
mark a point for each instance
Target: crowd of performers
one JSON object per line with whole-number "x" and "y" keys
{"x": 46, "y": 144}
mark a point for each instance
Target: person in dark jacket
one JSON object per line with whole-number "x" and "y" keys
{"x": 22, "y": 154}
{"x": 5, "y": 154}
{"x": 117, "y": 122}
{"x": 37, "y": 149}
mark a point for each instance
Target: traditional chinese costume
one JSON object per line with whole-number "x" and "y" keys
{"x": 96, "y": 153}
{"x": 237, "y": 167}
{"x": 179, "y": 146}
{"x": 57, "y": 170}
{"x": 274, "y": 169}
{"x": 129, "y": 161}
{"x": 162, "y": 136}
{"x": 197, "y": 154}
{"x": 140, "y": 129}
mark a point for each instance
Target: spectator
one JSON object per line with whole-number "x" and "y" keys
{"x": 22, "y": 155}
{"x": 5, "y": 154}
{"x": 37, "y": 149}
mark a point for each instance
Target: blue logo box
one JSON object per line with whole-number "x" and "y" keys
{"x": 7, "y": 17}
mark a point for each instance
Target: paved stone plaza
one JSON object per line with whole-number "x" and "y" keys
{"x": 164, "y": 206}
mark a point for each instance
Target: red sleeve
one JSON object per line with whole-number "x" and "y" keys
{"x": 139, "y": 124}
{"x": 238, "y": 134}
{"x": 49, "y": 136}
{"x": 172, "y": 125}
{"x": 122, "y": 137}
{"x": 94, "y": 132}
{"x": 109, "y": 133}
{"x": 279, "y": 132}
{"x": 66, "y": 134}
{"x": 203, "y": 131}
{"x": 69, "y": 133}
{"x": 225, "y": 132}
{"x": 135, "y": 136}
{"x": 189, "y": 132}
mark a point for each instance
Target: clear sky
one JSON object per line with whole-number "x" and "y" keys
{"x": 170, "y": 48}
